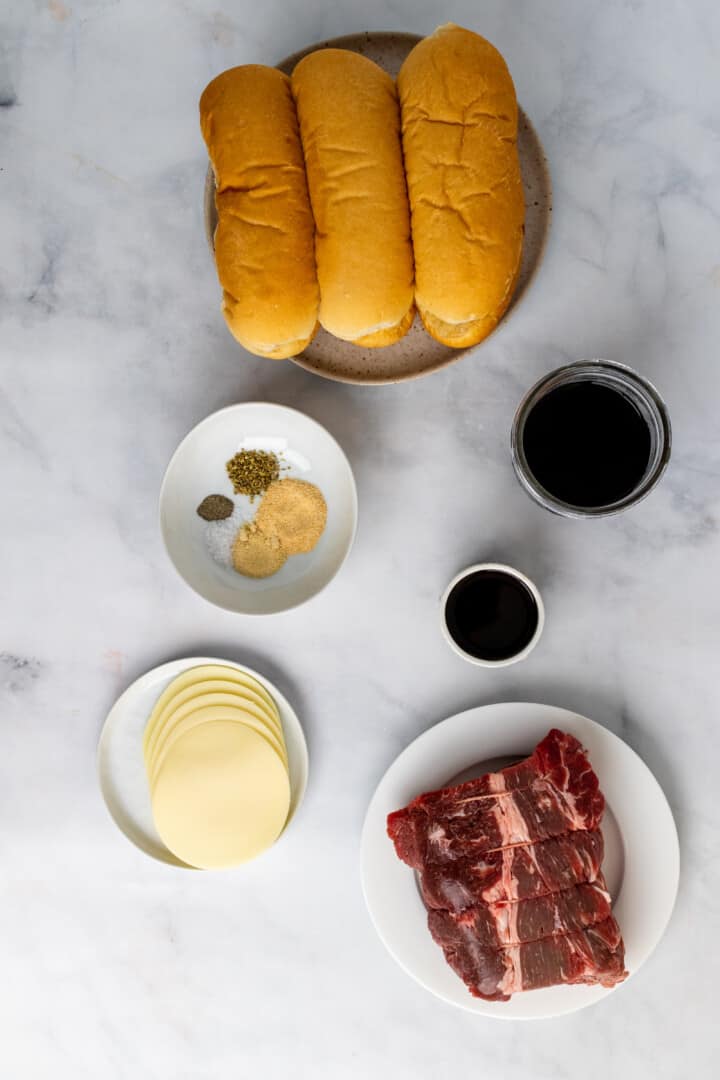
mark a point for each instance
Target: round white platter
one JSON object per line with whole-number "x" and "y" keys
{"x": 641, "y": 866}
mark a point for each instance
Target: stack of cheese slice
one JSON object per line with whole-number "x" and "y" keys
{"x": 217, "y": 767}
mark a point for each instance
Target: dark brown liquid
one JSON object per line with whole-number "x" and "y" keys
{"x": 491, "y": 615}
{"x": 587, "y": 444}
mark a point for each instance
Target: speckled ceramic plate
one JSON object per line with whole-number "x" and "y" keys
{"x": 417, "y": 353}
{"x": 641, "y": 863}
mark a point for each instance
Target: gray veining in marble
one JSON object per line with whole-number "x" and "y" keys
{"x": 112, "y": 346}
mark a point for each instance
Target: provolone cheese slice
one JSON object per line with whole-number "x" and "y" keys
{"x": 208, "y": 711}
{"x": 211, "y": 686}
{"x": 221, "y": 796}
{"x": 232, "y": 700}
{"x": 203, "y": 673}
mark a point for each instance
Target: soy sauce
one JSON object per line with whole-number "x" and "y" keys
{"x": 587, "y": 444}
{"x": 491, "y": 615}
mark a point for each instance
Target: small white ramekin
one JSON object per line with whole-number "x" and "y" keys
{"x": 529, "y": 585}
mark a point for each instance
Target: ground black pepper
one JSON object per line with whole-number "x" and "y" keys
{"x": 215, "y": 507}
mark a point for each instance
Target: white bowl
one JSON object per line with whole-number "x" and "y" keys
{"x": 531, "y": 588}
{"x": 197, "y": 468}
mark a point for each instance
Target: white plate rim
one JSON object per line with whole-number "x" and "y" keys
{"x": 468, "y": 728}
{"x": 294, "y": 740}
{"x": 352, "y": 487}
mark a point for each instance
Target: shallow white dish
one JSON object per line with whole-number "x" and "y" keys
{"x": 642, "y": 862}
{"x": 197, "y": 468}
{"x": 121, "y": 766}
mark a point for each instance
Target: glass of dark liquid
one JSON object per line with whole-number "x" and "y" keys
{"x": 591, "y": 439}
{"x": 492, "y": 615}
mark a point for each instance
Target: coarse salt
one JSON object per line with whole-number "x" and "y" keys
{"x": 220, "y": 536}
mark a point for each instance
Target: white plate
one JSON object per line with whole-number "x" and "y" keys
{"x": 642, "y": 858}
{"x": 121, "y": 765}
{"x": 197, "y": 468}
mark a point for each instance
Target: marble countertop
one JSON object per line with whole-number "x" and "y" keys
{"x": 112, "y": 346}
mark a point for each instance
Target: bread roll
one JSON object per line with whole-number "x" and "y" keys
{"x": 264, "y": 242}
{"x": 459, "y": 130}
{"x": 350, "y": 129}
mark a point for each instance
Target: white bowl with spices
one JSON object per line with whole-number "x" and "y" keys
{"x": 239, "y": 455}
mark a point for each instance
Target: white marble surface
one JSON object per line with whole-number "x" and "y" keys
{"x": 112, "y": 347}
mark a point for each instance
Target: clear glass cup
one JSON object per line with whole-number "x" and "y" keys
{"x": 634, "y": 388}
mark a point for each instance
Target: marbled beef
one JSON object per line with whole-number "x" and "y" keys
{"x": 509, "y": 869}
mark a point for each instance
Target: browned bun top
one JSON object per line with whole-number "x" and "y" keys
{"x": 264, "y": 242}
{"x": 350, "y": 128}
{"x": 459, "y": 128}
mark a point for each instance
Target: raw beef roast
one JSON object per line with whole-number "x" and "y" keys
{"x": 509, "y": 870}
